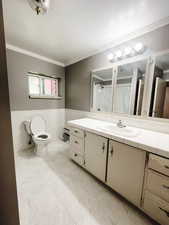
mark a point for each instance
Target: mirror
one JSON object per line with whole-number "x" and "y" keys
{"x": 159, "y": 106}
{"x": 137, "y": 88}
{"x": 119, "y": 90}
{"x": 102, "y": 90}
{"x": 129, "y": 88}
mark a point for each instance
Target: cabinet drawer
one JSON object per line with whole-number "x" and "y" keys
{"x": 158, "y": 184}
{"x": 77, "y": 132}
{"x": 159, "y": 164}
{"x": 157, "y": 208}
{"x": 77, "y": 144}
{"x": 77, "y": 158}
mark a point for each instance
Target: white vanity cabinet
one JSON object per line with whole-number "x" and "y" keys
{"x": 96, "y": 155}
{"x": 120, "y": 166}
{"x": 77, "y": 146}
{"x": 125, "y": 172}
{"x": 140, "y": 176}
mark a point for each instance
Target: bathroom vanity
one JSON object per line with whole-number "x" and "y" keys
{"x": 129, "y": 160}
{"x": 132, "y": 161}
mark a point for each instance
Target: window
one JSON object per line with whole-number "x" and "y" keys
{"x": 43, "y": 86}
{"x": 34, "y": 85}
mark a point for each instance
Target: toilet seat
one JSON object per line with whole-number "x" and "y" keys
{"x": 39, "y": 136}
{"x": 38, "y": 126}
{"x": 38, "y": 130}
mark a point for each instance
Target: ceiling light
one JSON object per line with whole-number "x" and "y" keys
{"x": 110, "y": 56}
{"x": 127, "y": 51}
{"x": 118, "y": 54}
{"x": 40, "y": 6}
{"x": 139, "y": 47}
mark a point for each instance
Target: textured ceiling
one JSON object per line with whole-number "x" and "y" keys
{"x": 74, "y": 29}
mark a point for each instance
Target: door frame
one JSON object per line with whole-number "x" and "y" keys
{"x": 8, "y": 194}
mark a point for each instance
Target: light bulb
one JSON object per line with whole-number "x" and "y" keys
{"x": 119, "y": 54}
{"x": 139, "y": 47}
{"x": 110, "y": 56}
{"x": 127, "y": 51}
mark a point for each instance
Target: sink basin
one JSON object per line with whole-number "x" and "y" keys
{"x": 124, "y": 131}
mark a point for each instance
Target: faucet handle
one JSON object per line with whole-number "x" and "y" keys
{"x": 120, "y": 124}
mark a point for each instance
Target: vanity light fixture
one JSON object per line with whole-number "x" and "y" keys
{"x": 39, "y": 6}
{"x": 129, "y": 51}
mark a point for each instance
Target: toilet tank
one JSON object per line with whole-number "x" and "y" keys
{"x": 27, "y": 126}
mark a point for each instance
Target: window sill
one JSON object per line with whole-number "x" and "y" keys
{"x": 44, "y": 97}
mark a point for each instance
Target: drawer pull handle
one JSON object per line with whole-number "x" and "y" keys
{"x": 167, "y": 167}
{"x": 76, "y": 131}
{"x": 111, "y": 151}
{"x": 75, "y": 155}
{"x": 76, "y": 142}
{"x": 166, "y": 187}
{"x": 167, "y": 213}
{"x": 103, "y": 147}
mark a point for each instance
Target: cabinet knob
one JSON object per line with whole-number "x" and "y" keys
{"x": 167, "y": 167}
{"x": 103, "y": 147}
{"x": 111, "y": 151}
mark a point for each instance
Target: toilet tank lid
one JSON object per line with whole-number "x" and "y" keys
{"x": 37, "y": 125}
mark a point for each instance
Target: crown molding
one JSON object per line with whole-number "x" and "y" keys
{"x": 125, "y": 38}
{"x": 32, "y": 54}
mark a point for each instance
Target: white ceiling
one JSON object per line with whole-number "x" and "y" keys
{"x": 75, "y": 29}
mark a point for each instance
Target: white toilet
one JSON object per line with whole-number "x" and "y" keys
{"x": 36, "y": 128}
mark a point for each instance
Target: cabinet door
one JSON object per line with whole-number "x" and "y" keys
{"x": 95, "y": 155}
{"x": 126, "y": 166}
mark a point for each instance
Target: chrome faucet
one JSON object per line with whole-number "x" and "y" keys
{"x": 120, "y": 124}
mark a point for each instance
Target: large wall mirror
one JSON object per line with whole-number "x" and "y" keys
{"x": 140, "y": 87}
{"x": 119, "y": 89}
{"x": 159, "y": 105}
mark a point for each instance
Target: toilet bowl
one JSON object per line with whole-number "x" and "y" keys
{"x": 36, "y": 128}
